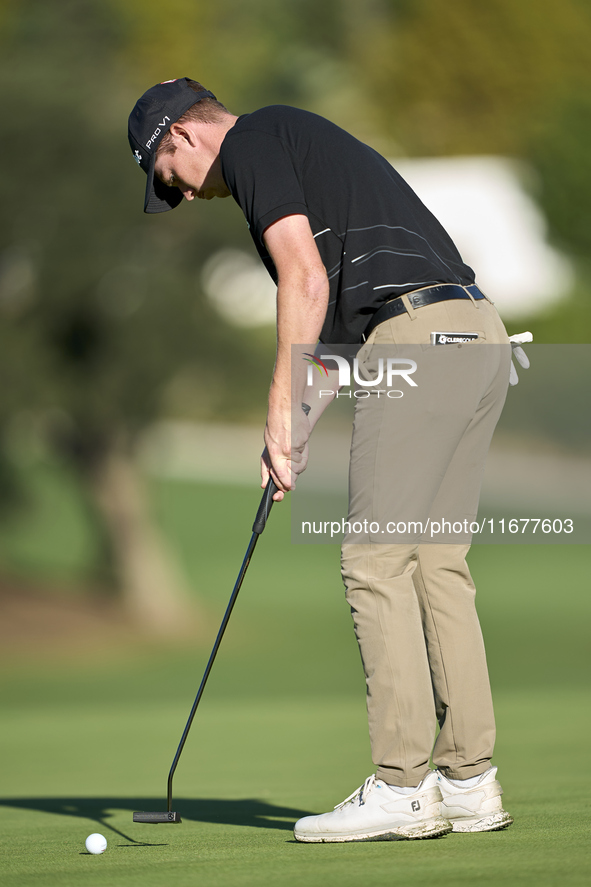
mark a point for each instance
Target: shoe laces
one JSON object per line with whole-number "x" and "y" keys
{"x": 360, "y": 793}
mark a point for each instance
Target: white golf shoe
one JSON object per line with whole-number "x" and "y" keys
{"x": 477, "y": 808}
{"x": 376, "y": 812}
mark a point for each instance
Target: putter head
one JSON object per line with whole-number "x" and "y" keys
{"x": 155, "y": 818}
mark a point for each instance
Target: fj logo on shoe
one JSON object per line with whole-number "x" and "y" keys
{"x": 438, "y": 338}
{"x": 415, "y": 805}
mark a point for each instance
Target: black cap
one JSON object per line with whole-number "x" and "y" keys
{"x": 149, "y": 122}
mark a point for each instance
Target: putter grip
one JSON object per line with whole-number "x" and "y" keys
{"x": 264, "y": 508}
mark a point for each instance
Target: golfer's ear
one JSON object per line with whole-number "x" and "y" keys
{"x": 185, "y": 132}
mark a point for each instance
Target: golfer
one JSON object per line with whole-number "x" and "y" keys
{"x": 360, "y": 263}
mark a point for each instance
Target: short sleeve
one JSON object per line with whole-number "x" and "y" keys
{"x": 259, "y": 171}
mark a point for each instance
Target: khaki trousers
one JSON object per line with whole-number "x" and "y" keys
{"x": 413, "y": 603}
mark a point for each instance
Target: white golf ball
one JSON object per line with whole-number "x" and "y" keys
{"x": 96, "y": 843}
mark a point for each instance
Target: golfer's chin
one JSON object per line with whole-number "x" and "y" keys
{"x": 210, "y": 193}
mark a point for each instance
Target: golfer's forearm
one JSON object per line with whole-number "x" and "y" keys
{"x": 320, "y": 394}
{"x": 301, "y": 309}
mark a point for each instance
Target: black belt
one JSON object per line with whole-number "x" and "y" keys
{"x": 419, "y": 299}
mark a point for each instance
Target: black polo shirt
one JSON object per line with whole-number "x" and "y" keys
{"x": 376, "y": 238}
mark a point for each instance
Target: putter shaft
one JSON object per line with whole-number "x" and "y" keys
{"x": 216, "y": 646}
{"x": 257, "y": 528}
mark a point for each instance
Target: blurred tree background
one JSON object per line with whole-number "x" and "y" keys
{"x": 104, "y": 326}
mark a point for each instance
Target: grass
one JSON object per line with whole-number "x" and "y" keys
{"x": 281, "y": 731}
{"x": 250, "y": 770}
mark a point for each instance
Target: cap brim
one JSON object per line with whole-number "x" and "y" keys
{"x": 159, "y": 197}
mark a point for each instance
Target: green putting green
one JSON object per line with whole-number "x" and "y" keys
{"x": 88, "y": 738}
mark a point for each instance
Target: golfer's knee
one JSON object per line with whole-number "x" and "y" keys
{"x": 362, "y": 563}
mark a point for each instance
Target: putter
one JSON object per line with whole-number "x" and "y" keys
{"x": 171, "y": 815}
